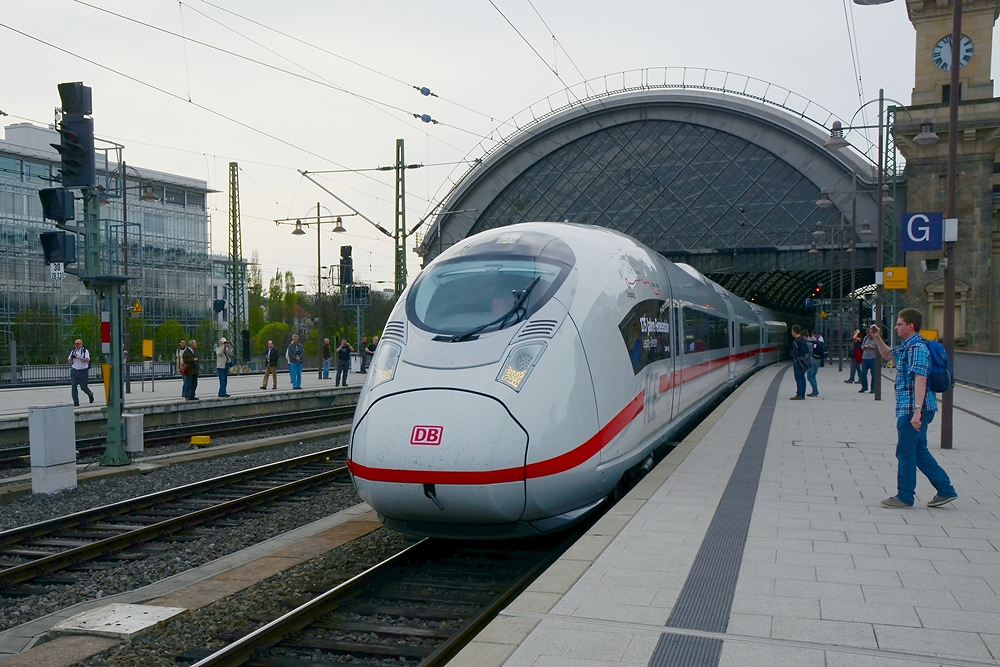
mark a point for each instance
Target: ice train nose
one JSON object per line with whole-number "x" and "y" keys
{"x": 440, "y": 455}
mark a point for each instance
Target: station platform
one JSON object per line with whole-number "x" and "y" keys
{"x": 760, "y": 540}
{"x": 15, "y": 401}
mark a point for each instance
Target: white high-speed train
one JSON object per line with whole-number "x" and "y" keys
{"x": 529, "y": 367}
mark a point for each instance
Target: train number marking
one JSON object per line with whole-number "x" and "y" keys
{"x": 426, "y": 435}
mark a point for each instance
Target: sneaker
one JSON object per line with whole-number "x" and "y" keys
{"x": 848, "y": 381}
{"x": 939, "y": 500}
{"x": 797, "y": 398}
{"x": 813, "y": 394}
{"x": 263, "y": 387}
{"x": 864, "y": 391}
{"x": 91, "y": 398}
{"x": 895, "y": 503}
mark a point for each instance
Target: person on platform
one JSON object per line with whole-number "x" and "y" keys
{"x": 223, "y": 361}
{"x": 369, "y": 351}
{"x": 294, "y": 356}
{"x": 801, "y": 362}
{"x": 856, "y": 352}
{"x": 868, "y": 358}
{"x": 179, "y": 356}
{"x": 364, "y": 354}
{"x": 79, "y": 361}
{"x": 270, "y": 365}
{"x": 326, "y": 358}
{"x": 190, "y": 360}
{"x": 818, "y": 350}
{"x": 915, "y": 408}
{"x": 343, "y": 363}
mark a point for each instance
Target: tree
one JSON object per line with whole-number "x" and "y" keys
{"x": 207, "y": 335}
{"x": 167, "y": 336}
{"x": 276, "y": 299}
{"x": 86, "y": 327}
{"x": 291, "y": 300}
{"x": 255, "y": 296}
{"x": 37, "y": 336}
{"x": 279, "y": 332}
{"x": 139, "y": 329}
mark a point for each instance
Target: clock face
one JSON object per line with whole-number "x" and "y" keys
{"x": 942, "y": 52}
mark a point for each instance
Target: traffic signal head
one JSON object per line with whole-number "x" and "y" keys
{"x": 76, "y": 146}
{"x": 818, "y": 290}
{"x": 76, "y": 98}
{"x": 346, "y": 265}
{"x": 57, "y": 204}
{"x": 58, "y": 247}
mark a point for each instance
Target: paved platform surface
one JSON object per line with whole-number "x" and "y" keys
{"x": 17, "y": 400}
{"x": 826, "y": 576}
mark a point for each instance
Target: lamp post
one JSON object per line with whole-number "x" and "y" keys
{"x": 338, "y": 228}
{"x": 836, "y": 142}
{"x": 951, "y": 187}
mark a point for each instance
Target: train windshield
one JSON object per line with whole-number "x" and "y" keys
{"x": 471, "y": 295}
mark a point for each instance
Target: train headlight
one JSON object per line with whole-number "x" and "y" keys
{"x": 520, "y": 361}
{"x": 383, "y": 366}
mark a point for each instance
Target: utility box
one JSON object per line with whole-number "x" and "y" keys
{"x": 52, "y": 444}
{"x": 133, "y": 433}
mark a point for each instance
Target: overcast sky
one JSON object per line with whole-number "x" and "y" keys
{"x": 347, "y": 93}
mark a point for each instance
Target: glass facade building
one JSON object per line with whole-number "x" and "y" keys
{"x": 172, "y": 250}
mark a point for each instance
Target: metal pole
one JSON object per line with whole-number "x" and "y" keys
{"x": 854, "y": 230}
{"x": 319, "y": 292}
{"x": 127, "y": 300}
{"x": 840, "y": 292}
{"x": 879, "y": 267}
{"x": 951, "y": 211}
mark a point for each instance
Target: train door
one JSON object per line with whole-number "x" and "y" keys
{"x": 732, "y": 336}
{"x": 677, "y": 377}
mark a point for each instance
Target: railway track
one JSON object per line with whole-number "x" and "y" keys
{"x": 419, "y": 607}
{"x": 19, "y": 456}
{"x": 123, "y": 530}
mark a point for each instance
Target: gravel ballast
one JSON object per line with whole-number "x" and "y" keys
{"x": 254, "y": 526}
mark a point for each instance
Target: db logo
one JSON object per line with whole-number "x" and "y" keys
{"x": 426, "y": 435}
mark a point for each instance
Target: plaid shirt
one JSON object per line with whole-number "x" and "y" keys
{"x": 912, "y": 358}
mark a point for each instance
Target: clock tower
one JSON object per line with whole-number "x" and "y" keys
{"x": 977, "y": 253}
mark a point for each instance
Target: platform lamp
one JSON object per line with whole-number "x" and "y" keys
{"x": 338, "y": 228}
{"x": 951, "y": 212}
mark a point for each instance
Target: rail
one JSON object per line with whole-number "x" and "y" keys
{"x": 979, "y": 369}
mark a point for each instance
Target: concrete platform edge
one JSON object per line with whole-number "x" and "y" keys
{"x": 498, "y": 640}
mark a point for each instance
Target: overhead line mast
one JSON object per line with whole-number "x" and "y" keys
{"x": 237, "y": 270}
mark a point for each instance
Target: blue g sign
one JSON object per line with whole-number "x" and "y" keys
{"x": 922, "y": 231}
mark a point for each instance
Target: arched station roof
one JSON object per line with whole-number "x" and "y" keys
{"x": 724, "y": 182}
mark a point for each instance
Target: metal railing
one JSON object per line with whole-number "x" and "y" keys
{"x": 979, "y": 369}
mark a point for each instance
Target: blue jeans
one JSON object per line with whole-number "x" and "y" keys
{"x": 326, "y": 368}
{"x": 912, "y": 454}
{"x": 855, "y": 370}
{"x": 295, "y": 374}
{"x": 811, "y": 375}
{"x": 800, "y": 380}
{"x": 867, "y": 366}
{"x": 223, "y": 374}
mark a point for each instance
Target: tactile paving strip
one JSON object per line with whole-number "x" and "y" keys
{"x": 707, "y": 597}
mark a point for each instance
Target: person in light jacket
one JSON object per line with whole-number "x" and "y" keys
{"x": 223, "y": 360}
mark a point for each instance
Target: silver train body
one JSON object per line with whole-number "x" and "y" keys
{"x": 471, "y": 424}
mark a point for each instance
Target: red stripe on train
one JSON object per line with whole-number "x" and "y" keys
{"x": 552, "y": 466}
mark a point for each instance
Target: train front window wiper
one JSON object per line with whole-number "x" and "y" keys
{"x": 518, "y": 311}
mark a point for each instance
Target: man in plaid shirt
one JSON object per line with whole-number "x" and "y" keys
{"x": 915, "y": 408}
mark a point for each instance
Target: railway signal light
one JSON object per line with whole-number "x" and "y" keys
{"x": 58, "y": 247}
{"x": 76, "y": 132}
{"x": 346, "y": 265}
{"x": 57, "y": 204}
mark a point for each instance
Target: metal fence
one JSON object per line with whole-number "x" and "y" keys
{"x": 980, "y": 369}
{"x": 57, "y": 374}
